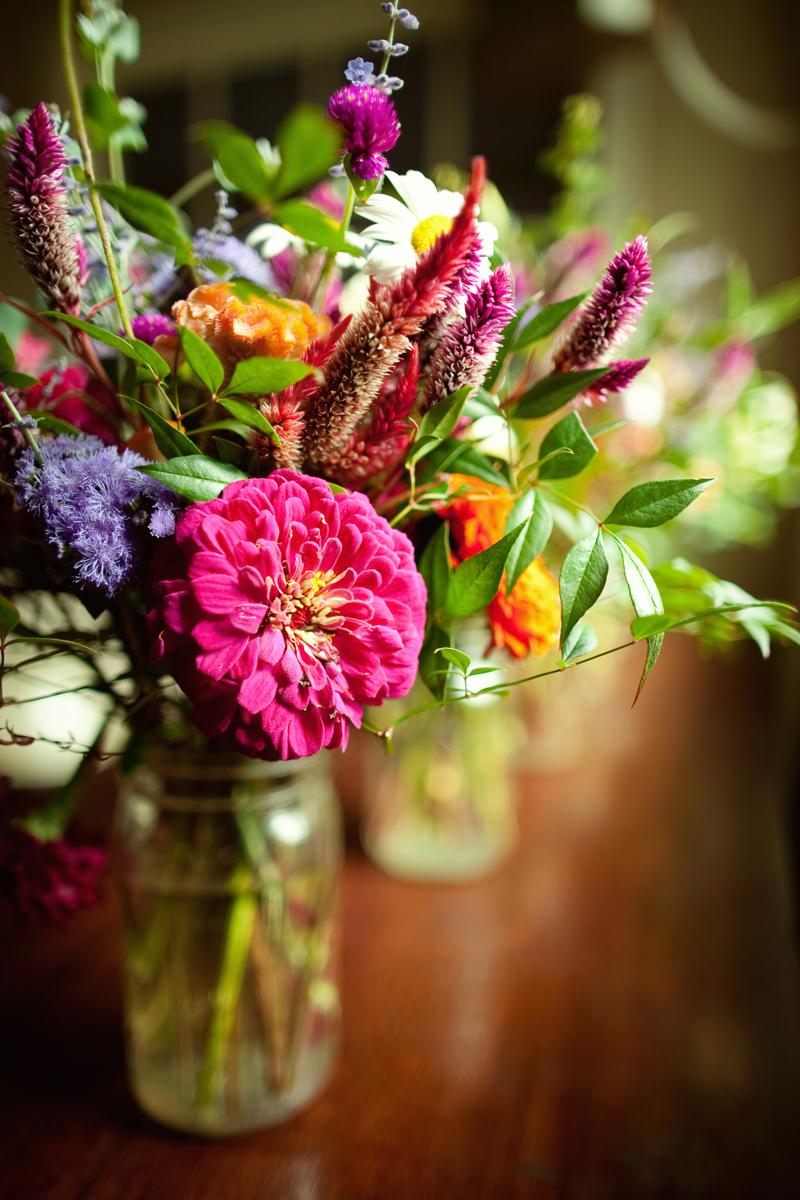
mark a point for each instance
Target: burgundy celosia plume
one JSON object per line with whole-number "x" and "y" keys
{"x": 54, "y": 879}
{"x": 378, "y": 336}
{"x": 283, "y": 609}
{"x": 370, "y": 125}
{"x": 611, "y": 311}
{"x": 381, "y": 444}
{"x": 46, "y": 240}
{"x": 468, "y": 349}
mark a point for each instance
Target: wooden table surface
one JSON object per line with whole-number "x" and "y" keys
{"x": 614, "y": 1014}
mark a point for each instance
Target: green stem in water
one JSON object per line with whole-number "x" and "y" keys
{"x": 73, "y": 89}
{"x": 238, "y": 934}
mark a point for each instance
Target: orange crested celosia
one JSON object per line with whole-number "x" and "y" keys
{"x": 527, "y": 621}
{"x": 237, "y": 325}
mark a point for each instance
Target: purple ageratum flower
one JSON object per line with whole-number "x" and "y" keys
{"x": 469, "y": 347}
{"x": 96, "y": 508}
{"x": 240, "y": 259}
{"x": 45, "y": 237}
{"x": 151, "y": 325}
{"x": 359, "y": 72}
{"x": 611, "y": 311}
{"x": 369, "y": 121}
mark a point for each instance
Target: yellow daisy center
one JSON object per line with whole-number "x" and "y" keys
{"x": 428, "y": 232}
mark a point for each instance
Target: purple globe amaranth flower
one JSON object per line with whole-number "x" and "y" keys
{"x": 369, "y": 121}
{"x": 46, "y": 239}
{"x": 52, "y": 879}
{"x": 469, "y": 347}
{"x": 151, "y": 325}
{"x": 96, "y": 508}
{"x": 616, "y": 379}
{"x": 611, "y": 311}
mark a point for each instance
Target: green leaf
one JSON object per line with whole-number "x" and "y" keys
{"x": 121, "y": 345}
{"x": 261, "y": 376}
{"x": 313, "y": 226}
{"x": 202, "y": 359}
{"x": 195, "y": 476}
{"x": 445, "y": 456}
{"x": 149, "y": 212}
{"x": 170, "y": 441}
{"x": 582, "y": 640}
{"x": 309, "y": 144}
{"x": 506, "y": 345}
{"x": 569, "y": 434}
{"x": 646, "y": 601}
{"x": 251, "y": 416}
{"x": 554, "y": 391}
{"x": 461, "y": 661}
{"x": 112, "y": 120}
{"x": 52, "y": 423}
{"x": 531, "y": 510}
{"x": 583, "y": 577}
{"x": 777, "y": 309}
{"x": 654, "y": 503}
{"x": 9, "y": 617}
{"x": 546, "y": 321}
{"x": 6, "y": 354}
{"x": 475, "y": 582}
{"x": 157, "y": 365}
{"x": 240, "y": 159}
{"x": 17, "y": 379}
{"x": 429, "y": 661}
{"x": 436, "y": 568}
{"x": 441, "y": 419}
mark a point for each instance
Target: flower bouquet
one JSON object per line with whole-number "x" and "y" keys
{"x": 258, "y": 479}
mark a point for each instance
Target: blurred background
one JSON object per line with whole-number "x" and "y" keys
{"x": 695, "y": 844}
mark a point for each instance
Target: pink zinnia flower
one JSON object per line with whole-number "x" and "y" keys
{"x": 49, "y": 879}
{"x": 283, "y": 610}
{"x": 370, "y": 124}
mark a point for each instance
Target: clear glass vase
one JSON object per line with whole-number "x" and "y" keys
{"x": 441, "y": 805}
{"x": 229, "y": 873}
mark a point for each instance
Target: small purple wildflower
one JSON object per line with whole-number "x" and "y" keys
{"x": 379, "y": 45}
{"x": 399, "y": 49}
{"x": 370, "y": 126}
{"x": 151, "y": 325}
{"x": 96, "y": 508}
{"x": 470, "y": 344}
{"x": 611, "y": 311}
{"x": 37, "y": 205}
{"x": 359, "y": 72}
{"x": 407, "y": 19}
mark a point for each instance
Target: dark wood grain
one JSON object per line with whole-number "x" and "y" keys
{"x": 615, "y": 1014}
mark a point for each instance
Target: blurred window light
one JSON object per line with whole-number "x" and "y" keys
{"x": 618, "y": 16}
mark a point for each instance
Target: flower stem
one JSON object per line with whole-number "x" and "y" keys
{"x": 68, "y": 62}
{"x": 23, "y": 428}
{"x": 192, "y": 187}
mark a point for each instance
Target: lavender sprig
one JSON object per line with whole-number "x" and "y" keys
{"x": 37, "y": 203}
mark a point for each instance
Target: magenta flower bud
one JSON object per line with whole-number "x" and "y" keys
{"x": 54, "y": 880}
{"x": 611, "y": 311}
{"x": 151, "y": 325}
{"x": 369, "y": 121}
{"x": 45, "y": 237}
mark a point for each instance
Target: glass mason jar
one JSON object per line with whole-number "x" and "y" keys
{"x": 440, "y": 805}
{"x": 229, "y": 872}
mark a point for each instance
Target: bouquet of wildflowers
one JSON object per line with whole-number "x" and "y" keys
{"x": 277, "y": 462}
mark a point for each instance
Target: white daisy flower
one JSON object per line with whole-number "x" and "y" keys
{"x": 404, "y": 229}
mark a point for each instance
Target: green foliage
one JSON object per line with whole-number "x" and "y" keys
{"x": 582, "y": 640}
{"x": 313, "y": 226}
{"x": 194, "y": 476}
{"x": 546, "y": 321}
{"x": 171, "y": 441}
{"x": 583, "y": 577}
{"x": 646, "y": 601}
{"x": 650, "y": 504}
{"x": 436, "y": 639}
{"x": 239, "y": 159}
{"x": 6, "y": 355}
{"x": 263, "y": 375}
{"x": 452, "y": 454}
{"x": 250, "y": 416}
{"x": 436, "y": 569}
{"x": 568, "y": 448}
{"x": 475, "y": 582}
{"x": 9, "y": 617}
{"x": 554, "y": 391}
{"x": 308, "y": 142}
{"x": 112, "y": 120}
{"x": 532, "y": 511}
{"x": 202, "y": 359}
{"x": 150, "y": 213}
{"x": 437, "y": 424}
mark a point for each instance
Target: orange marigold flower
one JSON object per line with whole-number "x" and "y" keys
{"x": 527, "y": 621}
{"x": 237, "y": 328}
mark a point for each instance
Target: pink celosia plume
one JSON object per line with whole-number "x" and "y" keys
{"x": 381, "y": 444}
{"x": 470, "y": 345}
{"x": 283, "y": 609}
